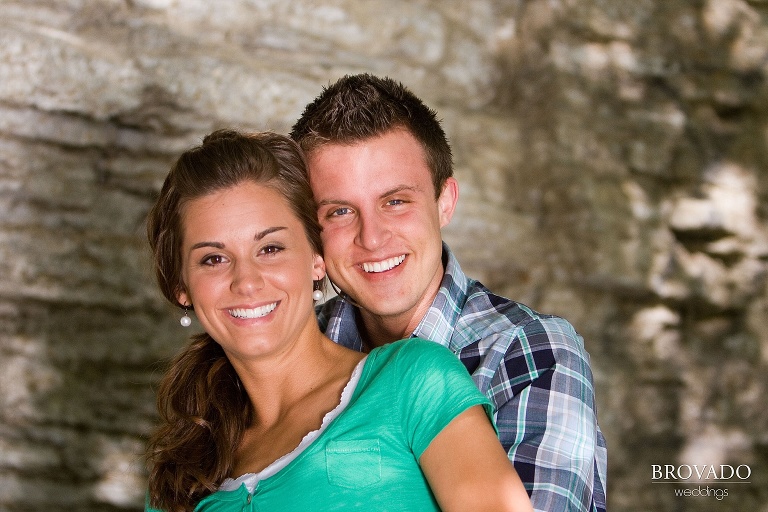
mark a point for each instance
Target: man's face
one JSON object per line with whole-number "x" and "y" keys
{"x": 381, "y": 223}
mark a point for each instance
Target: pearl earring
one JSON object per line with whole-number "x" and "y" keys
{"x": 317, "y": 294}
{"x": 185, "y": 320}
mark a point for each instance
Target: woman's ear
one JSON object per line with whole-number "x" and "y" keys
{"x": 183, "y": 297}
{"x": 318, "y": 267}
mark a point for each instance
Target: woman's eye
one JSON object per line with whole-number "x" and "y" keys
{"x": 271, "y": 249}
{"x": 212, "y": 260}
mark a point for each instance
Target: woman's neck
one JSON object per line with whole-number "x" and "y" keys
{"x": 290, "y": 399}
{"x": 277, "y": 383}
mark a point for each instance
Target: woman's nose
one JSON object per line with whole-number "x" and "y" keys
{"x": 247, "y": 278}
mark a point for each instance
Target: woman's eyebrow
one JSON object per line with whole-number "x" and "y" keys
{"x": 262, "y": 234}
{"x": 218, "y": 245}
{"x": 215, "y": 245}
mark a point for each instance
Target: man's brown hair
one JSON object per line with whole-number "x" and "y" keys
{"x": 358, "y": 107}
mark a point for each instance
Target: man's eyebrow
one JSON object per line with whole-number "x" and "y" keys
{"x": 398, "y": 189}
{"x": 395, "y": 190}
{"x": 218, "y": 245}
{"x": 326, "y": 202}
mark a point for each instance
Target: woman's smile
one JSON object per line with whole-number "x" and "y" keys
{"x": 258, "y": 312}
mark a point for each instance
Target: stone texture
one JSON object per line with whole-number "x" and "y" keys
{"x": 612, "y": 163}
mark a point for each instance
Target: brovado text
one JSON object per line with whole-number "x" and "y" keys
{"x": 722, "y": 473}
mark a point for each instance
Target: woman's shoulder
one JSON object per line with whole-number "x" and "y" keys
{"x": 413, "y": 353}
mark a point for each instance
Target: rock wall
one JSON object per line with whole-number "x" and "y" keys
{"x": 612, "y": 164}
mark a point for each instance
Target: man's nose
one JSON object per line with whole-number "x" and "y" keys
{"x": 373, "y": 231}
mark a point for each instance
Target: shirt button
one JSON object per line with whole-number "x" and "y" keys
{"x": 250, "y": 497}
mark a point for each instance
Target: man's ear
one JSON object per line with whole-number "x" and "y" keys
{"x": 446, "y": 201}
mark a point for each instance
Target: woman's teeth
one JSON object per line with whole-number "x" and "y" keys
{"x": 253, "y": 313}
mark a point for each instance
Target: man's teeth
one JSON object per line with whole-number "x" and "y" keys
{"x": 383, "y": 266}
{"x": 253, "y": 313}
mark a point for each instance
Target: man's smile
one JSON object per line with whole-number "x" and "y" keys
{"x": 384, "y": 265}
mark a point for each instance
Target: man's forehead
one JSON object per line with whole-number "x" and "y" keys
{"x": 395, "y": 139}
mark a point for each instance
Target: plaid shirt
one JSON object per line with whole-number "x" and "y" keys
{"x": 535, "y": 370}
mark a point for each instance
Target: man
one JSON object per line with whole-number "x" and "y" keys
{"x": 381, "y": 169}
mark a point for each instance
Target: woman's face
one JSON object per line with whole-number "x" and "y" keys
{"x": 248, "y": 268}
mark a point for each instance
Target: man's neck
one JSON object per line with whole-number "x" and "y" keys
{"x": 376, "y": 330}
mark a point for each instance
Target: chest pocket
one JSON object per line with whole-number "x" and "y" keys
{"x": 353, "y": 464}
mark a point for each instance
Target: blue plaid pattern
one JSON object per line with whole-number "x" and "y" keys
{"x": 535, "y": 370}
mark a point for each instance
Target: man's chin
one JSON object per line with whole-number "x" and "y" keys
{"x": 367, "y": 297}
{"x": 381, "y": 302}
{"x": 382, "y": 308}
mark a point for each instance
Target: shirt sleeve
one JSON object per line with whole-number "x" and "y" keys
{"x": 433, "y": 389}
{"x": 549, "y": 422}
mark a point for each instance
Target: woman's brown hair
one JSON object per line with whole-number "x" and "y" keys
{"x": 202, "y": 407}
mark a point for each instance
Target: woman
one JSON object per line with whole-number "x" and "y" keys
{"x": 262, "y": 410}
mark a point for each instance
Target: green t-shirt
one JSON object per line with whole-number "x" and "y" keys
{"x": 367, "y": 458}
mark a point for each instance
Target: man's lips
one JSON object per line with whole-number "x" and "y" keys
{"x": 384, "y": 265}
{"x": 249, "y": 313}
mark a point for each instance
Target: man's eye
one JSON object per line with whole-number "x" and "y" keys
{"x": 339, "y": 212}
{"x": 395, "y": 202}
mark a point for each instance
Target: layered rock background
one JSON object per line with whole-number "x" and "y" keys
{"x": 612, "y": 163}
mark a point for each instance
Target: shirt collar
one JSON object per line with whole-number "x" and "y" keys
{"x": 442, "y": 316}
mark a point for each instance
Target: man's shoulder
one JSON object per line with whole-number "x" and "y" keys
{"x": 492, "y": 311}
{"x": 473, "y": 319}
{"x": 490, "y": 316}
